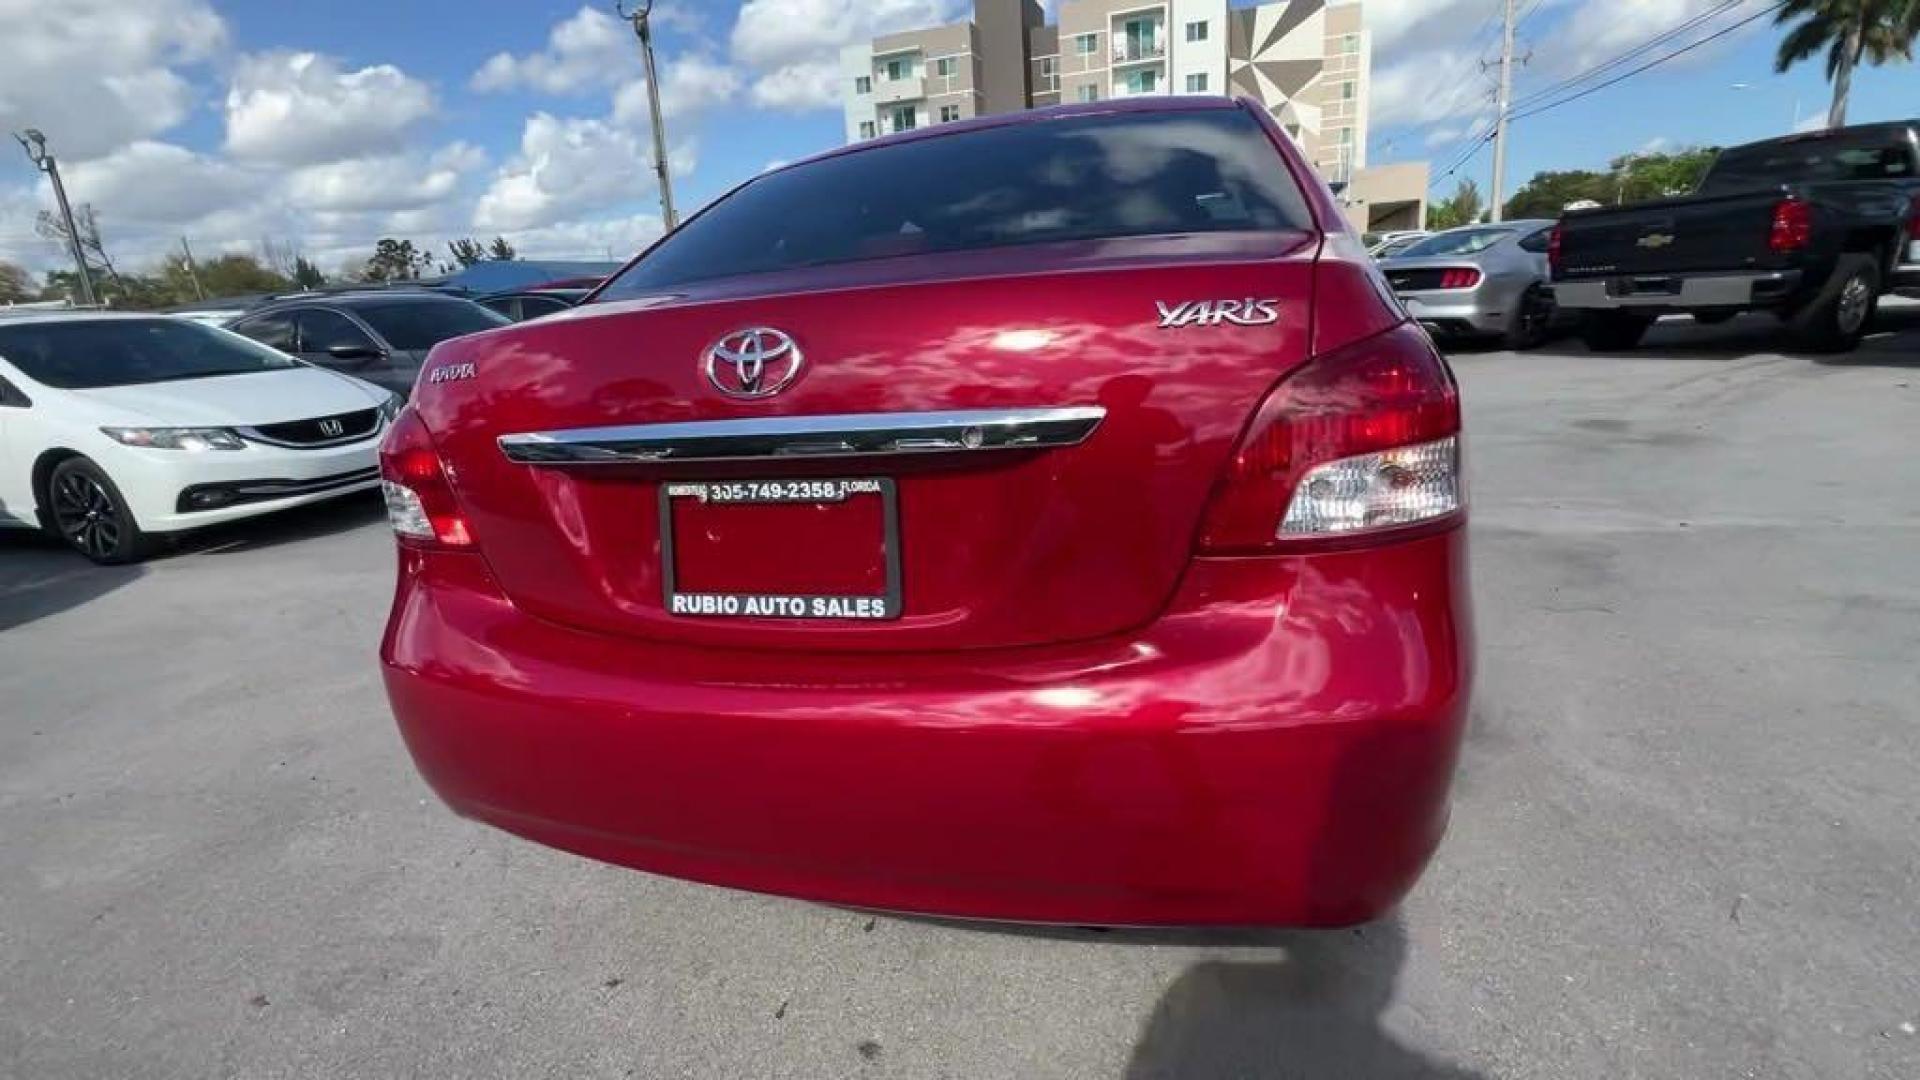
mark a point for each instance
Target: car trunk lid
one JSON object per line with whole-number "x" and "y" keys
{"x": 1073, "y": 419}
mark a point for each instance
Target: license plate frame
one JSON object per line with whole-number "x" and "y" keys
{"x": 803, "y": 608}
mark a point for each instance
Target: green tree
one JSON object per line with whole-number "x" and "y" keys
{"x": 1548, "y": 193}
{"x": 1848, "y": 31}
{"x": 396, "y": 260}
{"x": 16, "y": 284}
{"x": 238, "y": 275}
{"x": 501, "y": 250}
{"x": 306, "y": 275}
{"x": 1462, "y": 208}
{"x": 466, "y": 251}
{"x": 1639, "y": 177}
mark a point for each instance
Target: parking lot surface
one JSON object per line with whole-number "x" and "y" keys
{"x": 1686, "y": 836}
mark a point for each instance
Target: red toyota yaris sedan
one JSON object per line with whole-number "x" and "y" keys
{"x": 1044, "y": 517}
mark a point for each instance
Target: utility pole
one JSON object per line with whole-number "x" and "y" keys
{"x": 193, "y": 272}
{"x": 1500, "y": 122}
{"x": 643, "y": 30}
{"x": 35, "y": 144}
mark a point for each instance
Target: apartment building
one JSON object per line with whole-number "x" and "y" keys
{"x": 1308, "y": 62}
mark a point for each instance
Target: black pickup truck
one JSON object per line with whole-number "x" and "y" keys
{"x": 1813, "y": 227}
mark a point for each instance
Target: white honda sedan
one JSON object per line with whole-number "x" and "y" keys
{"x": 116, "y": 428}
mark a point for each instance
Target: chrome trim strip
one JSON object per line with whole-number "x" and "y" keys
{"x": 844, "y": 435}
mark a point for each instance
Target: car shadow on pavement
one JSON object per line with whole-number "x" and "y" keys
{"x": 1893, "y": 341}
{"x": 1282, "y": 1005}
{"x": 41, "y": 576}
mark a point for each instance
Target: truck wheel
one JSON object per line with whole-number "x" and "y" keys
{"x": 1838, "y": 318}
{"x": 1613, "y": 331}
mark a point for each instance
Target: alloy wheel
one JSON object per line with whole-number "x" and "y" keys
{"x": 86, "y": 515}
{"x": 1856, "y": 297}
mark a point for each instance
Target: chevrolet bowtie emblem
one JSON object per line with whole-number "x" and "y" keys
{"x": 1655, "y": 240}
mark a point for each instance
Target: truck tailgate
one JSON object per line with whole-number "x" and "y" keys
{"x": 1677, "y": 236}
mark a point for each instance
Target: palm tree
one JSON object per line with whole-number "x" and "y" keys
{"x": 1849, "y": 31}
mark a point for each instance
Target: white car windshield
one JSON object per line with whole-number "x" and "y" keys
{"x": 1457, "y": 242}
{"x": 85, "y": 354}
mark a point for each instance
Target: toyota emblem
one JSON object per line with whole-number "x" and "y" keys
{"x": 754, "y": 363}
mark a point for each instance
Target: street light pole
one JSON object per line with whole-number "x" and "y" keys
{"x": 643, "y": 30}
{"x": 35, "y": 144}
{"x": 1501, "y": 119}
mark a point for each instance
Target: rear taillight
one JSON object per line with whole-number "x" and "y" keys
{"x": 1792, "y": 226}
{"x": 1461, "y": 278}
{"x": 1359, "y": 440}
{"x": 1554, "y": 240}
{"x": 420, "y": 502}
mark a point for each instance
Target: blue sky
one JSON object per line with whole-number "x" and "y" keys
{"x": 325, "y": 126}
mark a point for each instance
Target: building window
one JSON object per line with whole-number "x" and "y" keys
{"x": 863, "y": 84}
{"x": 1197, "y": 31}
{"x": 867, "y": 129}
{"x": 1197, "y": 84}
{"x": 1350, "y": 44}
{"x": 1346, "y": 136}
{"x": 1089, "y": 92}
{"x": 1144, "y": 81}
{"x": 903, "y": 119}
{"x": 1086, "y": 44}
{"x": 1347, "y": 90}
{"x": 943, "y": 67}
{"x": 949, "y": 113}
{"x": 899, "y": 69}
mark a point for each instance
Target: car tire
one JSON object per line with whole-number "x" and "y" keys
{"x": 1836, "y": 319}
{"x": 86, "y": 510}
{"x": 1714, "y": 318}
{"x": 1613, "y": 331}
{"x": 1531, "y": 322}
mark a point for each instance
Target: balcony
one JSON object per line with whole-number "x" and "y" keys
{"x": 893, "y": 91}
{"x": 1138, "y": 52}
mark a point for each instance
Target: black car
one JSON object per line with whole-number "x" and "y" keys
{"x": 1813, "y": 227}
{"x": 380, "y": 336}
{"x": 527, "y": 304}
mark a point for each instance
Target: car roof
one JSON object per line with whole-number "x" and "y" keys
{"x": 354, "y": 299}
{"x": 1143, "y": 103}
{"x": 16, "y": 316}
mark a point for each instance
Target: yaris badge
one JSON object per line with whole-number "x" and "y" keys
{"x": 1249, "y": 312}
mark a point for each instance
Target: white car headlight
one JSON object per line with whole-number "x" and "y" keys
{"x": 193, "y": 439}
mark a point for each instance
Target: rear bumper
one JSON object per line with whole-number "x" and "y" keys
{"x": 1276, "y": 750}
{"x": 1679, "y": 292}
{"x": 1480, "y": 312}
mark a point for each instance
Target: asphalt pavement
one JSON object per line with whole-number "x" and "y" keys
{"x": 1686, "y": 834}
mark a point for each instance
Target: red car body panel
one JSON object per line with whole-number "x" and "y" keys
{"x": 1077, "y": 716}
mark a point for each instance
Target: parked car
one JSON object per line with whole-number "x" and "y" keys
{"x": 117, "y": 429}
{"x": 1479, "y": 281}
{"x": 381, "y": 336}
{"x": 1813, "y": 227}
{"x": 532, "y": 303}
{"x": 959, "y": 540}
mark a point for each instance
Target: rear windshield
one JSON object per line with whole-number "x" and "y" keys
{"x": 1071, "y": 178}
{"x": 1836, "y": 157}
{"x": 1457, "y": 242}
{"x": 422, "y": 324}
{"x": 121, "y": 352}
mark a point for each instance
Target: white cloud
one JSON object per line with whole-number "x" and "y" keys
{"x": 95, "y": 77}
{"x": 393, "y": 182}
{"x": 157, "y": 183}
{"x": 603, "y": 238}
{"x": 689, "y": 85}
{"x": 590, "y": 48}
{"x": 793, "y": 46}
{"x": 300, "y": 108}
{"x": 568, "y": 167}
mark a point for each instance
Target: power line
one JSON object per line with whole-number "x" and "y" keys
{"x": 1677, "y": 53}
{"x": 1641, "y": 49}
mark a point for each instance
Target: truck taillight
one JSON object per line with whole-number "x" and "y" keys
{"x": 1553, "y": 246}
{"x": 420, "y": 503}
{"x": 1792, "y": 226}
{"x": 1459, "y": 278}
{"x": 1357, "y": 441}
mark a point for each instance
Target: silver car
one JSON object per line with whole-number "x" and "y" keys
{"x": 1479, "y": 281}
